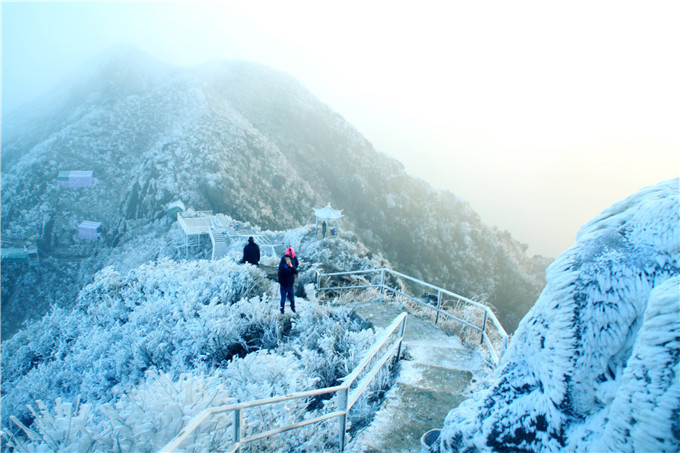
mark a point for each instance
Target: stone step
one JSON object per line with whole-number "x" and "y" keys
{"x": 454, "y": 356}
{"x": 410, "y": 411}
{"x": 430, "y": 382}
{"x": 436, "y": 378}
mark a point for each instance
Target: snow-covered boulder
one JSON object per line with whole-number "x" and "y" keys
{"x": 595, "y": 364}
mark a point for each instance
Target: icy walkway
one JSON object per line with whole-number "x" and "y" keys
{"x": 431, "y": 380}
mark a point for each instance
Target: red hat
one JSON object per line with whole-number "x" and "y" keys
{"x": 290, "y": 252}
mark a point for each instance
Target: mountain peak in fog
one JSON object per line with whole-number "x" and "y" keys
{"x": 251, "y": 142}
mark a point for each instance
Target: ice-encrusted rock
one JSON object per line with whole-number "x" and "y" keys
{"x": 595, "y": 364}
{"x": 644, "y": 413}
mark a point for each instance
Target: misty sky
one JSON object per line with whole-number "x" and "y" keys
{"x": 539, "y": 114}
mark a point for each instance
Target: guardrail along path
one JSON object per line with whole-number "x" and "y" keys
{"x": 430, "y": 382}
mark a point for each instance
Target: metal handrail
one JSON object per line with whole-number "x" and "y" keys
{"x": 345, "y": 403}
{"x": 488, "y": 314}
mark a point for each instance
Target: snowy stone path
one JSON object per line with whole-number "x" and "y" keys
{"x": 430, "y": 382}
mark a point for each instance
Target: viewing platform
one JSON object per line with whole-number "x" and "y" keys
{"x": 28, "y": 254}
{"x": 222, "y": 230}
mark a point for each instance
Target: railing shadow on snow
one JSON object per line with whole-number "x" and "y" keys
{"x": 348, "y": 393}
{"x": 495, "y": 339}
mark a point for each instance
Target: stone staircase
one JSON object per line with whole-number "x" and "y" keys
{"x": 430, "y": 382}
{"x": 219, "y": 244}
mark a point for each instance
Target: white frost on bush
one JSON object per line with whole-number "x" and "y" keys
{"x": 147, "y": 350}
{"x": 598, "y": 334}
{"x": 644, "y": 412}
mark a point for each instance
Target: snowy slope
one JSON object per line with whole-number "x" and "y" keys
{"x": 594, "y": 365}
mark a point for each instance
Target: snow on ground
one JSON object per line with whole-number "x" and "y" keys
{"x": 594, "y": 364}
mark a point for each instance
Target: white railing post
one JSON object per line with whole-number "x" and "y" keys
{"x": 484, "y": 326}
{"x": 342, "y": 419}
{"x": 382, "y": 284}
{"x": 237, "y": 428}
{"x": 402, "y": 330}
{"x": 439, "y": 305}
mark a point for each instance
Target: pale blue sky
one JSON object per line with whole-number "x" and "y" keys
{"x": 540, "y": 114}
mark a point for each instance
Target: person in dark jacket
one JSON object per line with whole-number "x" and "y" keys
{"x": 287, "y": 271}
{"x": 251, "y": 252}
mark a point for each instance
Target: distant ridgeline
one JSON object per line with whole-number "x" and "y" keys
{"x": 595, "y": 364}
{"x": 235, "y": 138}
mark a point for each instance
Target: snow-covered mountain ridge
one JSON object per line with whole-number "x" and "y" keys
{"x": 236, "y": 138}
{"x": 595, "y": 364}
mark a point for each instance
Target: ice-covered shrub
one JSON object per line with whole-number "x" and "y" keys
{"x": 137, "y": 347}
{"x": 594, "y": 364}
{"x": 66, "y": 428}
{"x": 154, "y": 412}
{"x": 146, "y": 417}
{"x": 344, "y": 253}
{"x": 163, "y": 315}
{"x": 334, "y": 344}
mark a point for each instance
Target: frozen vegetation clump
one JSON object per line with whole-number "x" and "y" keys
{"x": 62, "y": 273}
{"x": 143, "y": 352}
{"x": 595, "y": 364}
